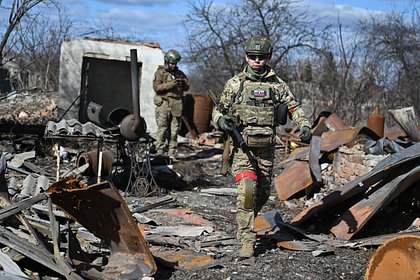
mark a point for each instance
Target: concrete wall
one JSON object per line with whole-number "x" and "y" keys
{"x": 72, "y": 53}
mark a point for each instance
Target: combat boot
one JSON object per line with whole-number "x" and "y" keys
{"x": 247, "y": 251}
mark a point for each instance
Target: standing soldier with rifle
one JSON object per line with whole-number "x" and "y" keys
{"x": 169, "y": 84}
{"x": 254, "y": 102}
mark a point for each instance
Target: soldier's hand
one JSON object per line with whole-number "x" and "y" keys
{"x": 225, "y": 123}
{"x": 305, "y": 134}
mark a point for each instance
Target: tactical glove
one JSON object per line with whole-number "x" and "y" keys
{"x": 225, "y": 123}
{"x": 305, "y": 134}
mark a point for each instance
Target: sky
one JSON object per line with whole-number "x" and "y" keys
{"x": 161, "y": 20}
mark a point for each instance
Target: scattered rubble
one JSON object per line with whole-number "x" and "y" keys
{"x": 333, "y": 203}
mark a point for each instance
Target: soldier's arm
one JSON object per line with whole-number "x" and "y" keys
{"x": 296, "y": 113}
{"x": 225, "y": 98}
{"x": 160, "y": 86}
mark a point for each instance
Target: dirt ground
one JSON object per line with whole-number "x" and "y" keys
{"x": 270, "y": 262}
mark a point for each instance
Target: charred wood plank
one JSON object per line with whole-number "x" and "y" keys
{"x": 352, "y": 221}
{"x": 17, "y": 128}
{"x": 408, "y": 120}
{"x": 18, "y": 207}
{"x": 360, "y": 184}
{"x": 35, "y": 253}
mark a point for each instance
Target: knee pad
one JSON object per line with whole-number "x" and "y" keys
{"x": 248, "y": 180}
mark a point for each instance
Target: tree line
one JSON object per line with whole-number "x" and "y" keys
{"x": 328, "y": 67}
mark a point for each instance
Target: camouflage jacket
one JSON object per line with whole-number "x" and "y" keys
{"x": 281, "y": 94}
{"x": 170, "y": 84}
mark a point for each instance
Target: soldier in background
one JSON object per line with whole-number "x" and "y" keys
{"x": 253, "y": 98}
{"x": 169, "y": 84}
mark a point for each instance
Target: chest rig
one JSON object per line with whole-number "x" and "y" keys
{"x": 254, "y": 108}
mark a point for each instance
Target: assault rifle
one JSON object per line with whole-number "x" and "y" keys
{"x": 234, "y": 133}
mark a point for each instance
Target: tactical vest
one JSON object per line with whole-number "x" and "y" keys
{"x": 254, "y": 107}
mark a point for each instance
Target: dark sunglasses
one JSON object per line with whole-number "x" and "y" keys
{"x": 255, "y": 56}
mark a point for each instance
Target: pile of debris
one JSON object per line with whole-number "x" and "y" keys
{"x": 89, "y": 224}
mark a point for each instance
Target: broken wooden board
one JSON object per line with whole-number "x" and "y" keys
{"x": 360, "y": 184}
{"x": 37, "y": 254}
{"x": 408, "y": 120}
{"x": 359, "y": 214}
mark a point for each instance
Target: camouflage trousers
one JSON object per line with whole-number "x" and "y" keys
{"x": 168, "y": 119}
{"x": 246, "y": 212}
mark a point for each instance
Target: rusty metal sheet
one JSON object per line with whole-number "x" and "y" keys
{"x": 267, "y": 221}
{"x": 294, "y": 178}
{"x": 360, "y": 184}
{"x": 394, "y": 132}
{"x": 397, "y": 259}
{"x": 294, "y": 245}
{"x": 331, "y": 140}
{"x": 186, "y": 260}
{"x": 327, "y": 121}
{"x": 359, "y": 214}
{"x": 186, "y": 216}
{"x": 101, "y": 209}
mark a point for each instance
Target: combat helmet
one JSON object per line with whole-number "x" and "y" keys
{"x": 258, "y": 46}
{"x": 172, "y": 56}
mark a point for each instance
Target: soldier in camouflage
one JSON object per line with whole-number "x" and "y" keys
{"x": 169, "y": 84}
{"x": 252, "y": 99}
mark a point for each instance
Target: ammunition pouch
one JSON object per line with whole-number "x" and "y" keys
{"x": 258, "y": 137}
{"x": 281, "y": 114}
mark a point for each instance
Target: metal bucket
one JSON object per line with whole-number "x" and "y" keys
{"x": 203, "y": 107}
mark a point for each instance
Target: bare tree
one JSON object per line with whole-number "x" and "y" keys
{"x": 40, "y": 44}
{"x": 17, "y": 11}
{"x": 216, "y": 34}
{"x": 394, "y": 41}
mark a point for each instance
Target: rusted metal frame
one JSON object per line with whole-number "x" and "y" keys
{"x": 359, "y": 214}
{"x": 360, "y": 184}
{"x": 33, "y": 252}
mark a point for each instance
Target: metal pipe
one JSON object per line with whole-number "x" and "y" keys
{"x": 135, "y": 90}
